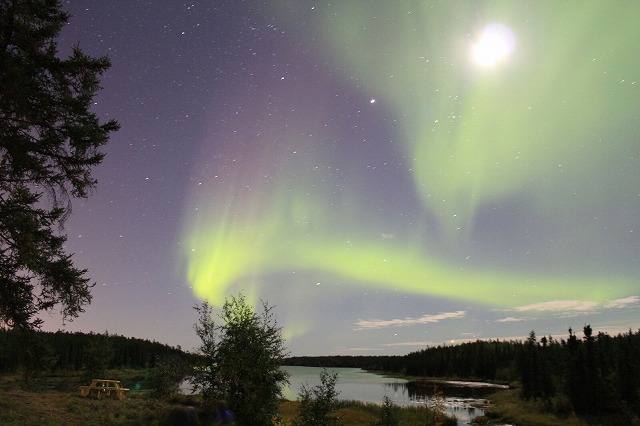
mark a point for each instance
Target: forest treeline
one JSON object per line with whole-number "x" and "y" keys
{"x": 596, "y": 373}
{"x": 20, "y": 349}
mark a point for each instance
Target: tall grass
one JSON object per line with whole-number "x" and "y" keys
{"x": 509, "y": 408}
{"x": 55, "y": 400}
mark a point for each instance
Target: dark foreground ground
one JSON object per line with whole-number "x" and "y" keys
{"x": 55, "y": 400}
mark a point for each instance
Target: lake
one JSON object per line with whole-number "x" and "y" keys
{"x": 462, "y": 399}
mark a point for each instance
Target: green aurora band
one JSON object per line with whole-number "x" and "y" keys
{"x": 230, "y": 254}
{"x": 476, "y": 135}
{"x": 538, "y": 125}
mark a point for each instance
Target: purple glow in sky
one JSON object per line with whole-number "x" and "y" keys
{"x": 388, "y": 175}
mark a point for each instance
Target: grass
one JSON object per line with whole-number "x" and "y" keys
{"x": 356, "y": 413}
{"x": 507, "y": 407}
{"x": 21, "y": 407}
{"x": 347, "y": 415}
{"x": 55, "y": 400}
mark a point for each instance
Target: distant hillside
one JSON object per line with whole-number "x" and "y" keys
{"x": 67, "y": 351}
{"x": 365, "y": 362}
{"x": 594, "y": 374}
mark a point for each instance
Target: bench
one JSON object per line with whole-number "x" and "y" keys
{"x": 101, "y": 387}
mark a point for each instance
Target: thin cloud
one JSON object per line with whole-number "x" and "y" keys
{"x": 570, "y": 307}
{"x": 412, "y": 344}
{"x": 511, "y": 319}
{"x": 574, "y": 314}
{"x": 559, "y": 306}
{"x": 627, "y": 302}
{"x": 404, "y": 322}
{"x": 358, "y": 350}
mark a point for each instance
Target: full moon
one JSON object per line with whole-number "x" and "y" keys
{"x": 496, "y": 43}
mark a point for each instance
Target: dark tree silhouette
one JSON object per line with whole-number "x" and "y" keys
{"x": 49, "y": 143}
{"x": 530, "y": 367}
{"x": 318, "y": 403}
{"x": 241, "y": 360}
{"x": 39, "y": 351}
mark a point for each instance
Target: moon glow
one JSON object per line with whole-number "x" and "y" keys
{"x": 496, "y": 43}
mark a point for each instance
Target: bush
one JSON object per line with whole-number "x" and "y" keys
{"x": 167, "y": 375}
{"x": 389, "y": 413}
{"x": 319, "y": 402}
{"x": 562, "y": 405}
{"x": 97, "y": 356}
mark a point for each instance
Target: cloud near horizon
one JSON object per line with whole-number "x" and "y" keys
{"x": 575, "y": 306}
{"x": 559, "y": 306}
{"x": 404, "y": 322}
{"x": 511, "y": 319}
{"x": 627, "y": 302}
{"x": 401, "y": 344}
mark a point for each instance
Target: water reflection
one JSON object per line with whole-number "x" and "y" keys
{"x": 465, "y": 400}
{"x": 470, "y": 390}
{"x": 459, "y": 400}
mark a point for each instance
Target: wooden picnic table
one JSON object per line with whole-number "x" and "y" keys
{"x": 102, "y": 387}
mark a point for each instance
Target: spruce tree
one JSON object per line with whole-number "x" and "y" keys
{"x": 49, "y": 143}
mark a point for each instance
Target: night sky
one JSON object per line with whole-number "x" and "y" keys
{"x": 387, "y": 174}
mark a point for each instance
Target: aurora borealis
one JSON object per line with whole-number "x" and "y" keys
{"x": 528, "y": 140}
{"x": 391, "y": 175}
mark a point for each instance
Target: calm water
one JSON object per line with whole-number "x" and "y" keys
{"x": 359, "y": 385}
